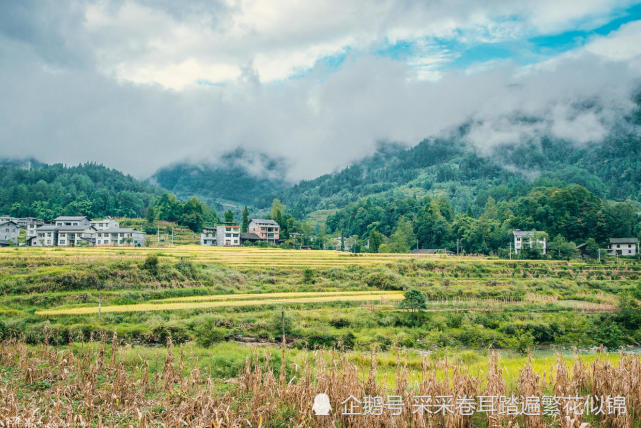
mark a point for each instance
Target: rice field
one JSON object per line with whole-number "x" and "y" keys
{"x": 234, "y": 256}
{"x": 231, "y": 301}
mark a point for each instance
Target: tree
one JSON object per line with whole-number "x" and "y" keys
{"x": 414, "y": 300}
{"x": 193, "y": 215}
{"x": 245, "y": 225}
{"x": 278, "y": 209}
{"x": 402, "y": 239}
{"x": 375, "y": 240}
{"x": 151, "y": 214}
{"x": 229, "y": 216}
{"x": 561, "y": 249}
{"x": 591, "y": 248}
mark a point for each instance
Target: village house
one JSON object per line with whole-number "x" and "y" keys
{"x": 208, "y": 236}
{"x": 46, "y": 236}
{"x": 71, "y": 231}
{"x": 120, "y": 237}
{"x": 9, "y": 232}
{"x": 623, "y": 247}
{"x": 265, "y": 229}
{"x": 73, "y": 236}
{"x": 105, "y": 223}
{"x": 228, "y": 235}
{"x": 249, "y": 237}
{"x": 30, "y": 224}
{"x": 529, "y": 239}
{"x": 72, "y": 221}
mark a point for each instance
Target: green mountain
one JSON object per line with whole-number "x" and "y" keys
{"x": 31, "y": 188}
{"x": 228, "y": 183}
{"x": 449, "y": 167}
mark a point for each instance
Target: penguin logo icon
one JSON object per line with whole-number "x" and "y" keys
{"x": 321, "y": 405}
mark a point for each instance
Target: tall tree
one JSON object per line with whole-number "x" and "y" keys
{"x": 245, "y": 225}
{"x": 229, "y": 216}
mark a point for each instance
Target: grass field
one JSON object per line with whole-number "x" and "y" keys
{"x": 216, "y": 305}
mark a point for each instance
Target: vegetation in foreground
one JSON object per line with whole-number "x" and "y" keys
{"x": 94, "y": 384}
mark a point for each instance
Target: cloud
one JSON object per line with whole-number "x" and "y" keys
{"x": 139, "y": 85}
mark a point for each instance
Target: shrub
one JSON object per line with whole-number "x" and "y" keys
{"x": 308, "y": 276}
{"x": 151, "y": 264}
{"x": 383, "y": 280}
{"x": 206, "y": 335}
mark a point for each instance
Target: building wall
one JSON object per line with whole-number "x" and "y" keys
{"x": 208, "y": 237}
{"x": 623, "y": 249}
{"x": 521, "y": 242}
{"x": 227, "y": 236}
{"x": 9, "y": 232}
{"x": 265, "y": 231}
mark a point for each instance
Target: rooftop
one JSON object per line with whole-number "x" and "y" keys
{"x": 265, "y": 221}
{"x": 518, "y": 232}
{"x": 70, "y": 217}
{"x": 624, "y": 241}
{"x": 118, "y": 230}
{"x": 249, "y": 236}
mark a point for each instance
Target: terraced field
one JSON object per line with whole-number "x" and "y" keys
{"x": 234, "y": 300}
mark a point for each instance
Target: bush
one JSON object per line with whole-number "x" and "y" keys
{"x": 308, "y": 276}
{"x": 151, "y": 264}
{"x": 207, "y": 335}
{"x": 383, "y": 280}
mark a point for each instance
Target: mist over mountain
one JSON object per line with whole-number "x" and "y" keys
{"x": 455, "y": 165}
{"x": 237, "y": 178}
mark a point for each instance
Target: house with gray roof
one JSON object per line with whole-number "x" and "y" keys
{"x": 265, "y": 229}
{"x": 46, "y": 236}
{"x": 623, "y": 247}
{"x": 9, "y": 232}
{"x": 120, "y": 237}
{"x": 72, "y": 221}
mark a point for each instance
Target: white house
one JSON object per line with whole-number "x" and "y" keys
{"x": 32, "y": 226}
{"x": 105, "y": 223}
{"x": 9, "y": 232}
{"x": 46, "y": 236}
{"x": 529, "y": 239}
{"x": 623, "y": 246}
{"x": 228, "y": 235}
{"x": 120, "y": 237}
{"x": 81, "y": 221}
{"x": 72, "y": 236}
{"x": 208, "y": 236}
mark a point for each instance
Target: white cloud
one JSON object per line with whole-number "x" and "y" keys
{"x": 111, "y": 104}
{"x": 142, "y": 42}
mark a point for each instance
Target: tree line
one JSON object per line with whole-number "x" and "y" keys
{"x": 569, "y": 215}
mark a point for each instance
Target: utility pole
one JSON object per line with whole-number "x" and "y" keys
{"x": 457, "y": 246}
{"x": 599, "y": 255}
{"x": 172, "y": 236}
{"x": 99, "y": 299}
{"x": 157, "y": 235}
{"x": 417, "y": 243}
{"x": 282, "y": 320}
{"x": 510, "y": 250}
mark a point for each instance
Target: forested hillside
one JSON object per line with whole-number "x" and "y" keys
{"x": 226, "y": 183}
{"x": 29, "y": 188}
{"x": 569, "y": 215}
{"x": 449, "y": 166}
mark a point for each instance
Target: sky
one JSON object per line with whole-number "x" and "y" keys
{"x": 140, "y": 84}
